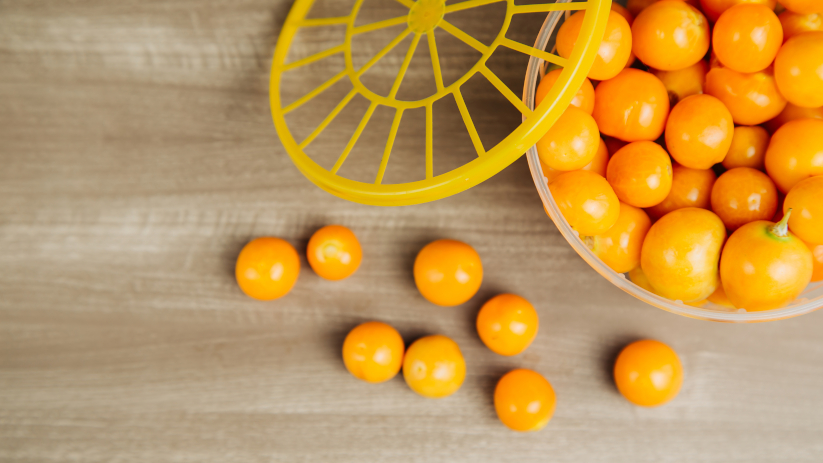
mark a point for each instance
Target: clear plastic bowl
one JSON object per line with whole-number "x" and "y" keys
{"x": 810, "y": 300}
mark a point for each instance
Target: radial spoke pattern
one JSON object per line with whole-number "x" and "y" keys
{"x": 442, "y": 90}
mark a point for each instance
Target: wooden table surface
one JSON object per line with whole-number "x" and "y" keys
{"x": 137, "y": 156}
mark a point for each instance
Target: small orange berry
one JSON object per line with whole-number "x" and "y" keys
{"x": 571, "y": 142}
{"x": 806, "y": 201}
{"x": 670, "y": 35}
{"x": 648, "y": 373}
{"x": 619, "y": 247}
{"x": 641, "y": 174}
{"x": 795, "y": 153}
{"x": 792, "y": 113}
{"x": 748, "y": 148}
{"x": 373, "y": 352}
{"x": 803, "y": 6}
{"x": 586, "y": 200}
{"x": 267, "y": 268}
{"x": 448, "y": 272}
{"x": 524, "y": 400}
{"x": 699, "y": 131}
{"x": 614, "y": 49}
{"x": 743, "y": 195}
{"x": 795, "y": 23}
{"x": 583, "y": 99}
{"x": 690, "y": 188}
{"x": 683, "y": 82}
{"x": 598, "y": 164}
{"x": 714, "y": 8}
{"x": 798, "y": 69}
{"x": 434, "y": 367}
{"x": 746, "y": 37}
{"x": 751, "y": 98}
{"x": 720, "y": 298}
{"x": 633, "y": 106}
{"x": 334, "y": 252}
{"x": 507, "y": 324}
{"x": 623, "y": 11}
{"x": 817, "y": 261}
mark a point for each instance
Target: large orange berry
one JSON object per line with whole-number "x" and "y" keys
{"x": 795, "y": 23}
{"x": 791, "y": 113}
{"x": 684, "y": 82}
{"x": 803, "y": 6}
{"x": 614, "y": 50}
{"x": 670, "y": 35}
{"x": 524, "y": 400}
{"x": 748, "y": 148}
{"x": 586, "y": 200}
{"x": 633, "y": 106}
{"x": 373, "y": 352}
{"x": 806, "y": 200}
{"x": 795, "y": 153}
{"x": 798, "y": 69}
{"x": 640, "y": 173}
{"x": 699, "y": 131}
{"x": 690, "y": 188}
{"x": 751, "y": 98}
{"x": 267, "y": 268}
{"x": 583, "y": 99}
{"x": 746, "y": 37}
{"x": 743, "y": 195}
{"x": 571, "y": 142}
{"x": 714, "y": 8}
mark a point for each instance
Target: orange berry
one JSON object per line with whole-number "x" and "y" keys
{"x": 683, "y": 82}
{"x": 806, "y": 200}
{"x": 583, "y": 99}
{"x": 434, "y": 367}
{"x": 719, "y": 297}
{"x": 636, "y": 6}
{"x": 764, "y": 266}
{"x": 638, "y": 277}
{"x": 597, "y": 165}
{"x": 619, "y": 247}
{"x": 681, "y": 252}
{"x": 524, "y": 400}
{"x": 448, "y": 272}
{"x": 817, "y": 261}
{"x": 746, "y": 37}
{"x": 334, "y": 252}
{"x": 641, "y": 174}
{"x": 798, "y": 69}
{"x": 803, "y": 6}
{"x": 614, "y": 145}
{"x": 670, "y": 35}
{"x": 792, "y": 113}
{"x": 751, "y": 98}
{"x": 507, "y": 324}
{"x": 623, "y": 11}
{"x": 633, "y": 106}
{"x": 743, "y": 195}
{"x": 714, "y": 8}
{"x": 571, "y": 142}
{"x": 586, "y": 200}
{"x": 648, "y": 373}
{"x": 795, "y": 153}
{"x": 690, "y": 188}
{"x": 614, "y": 49}
{"x": 267, "y": 268}
{"x": 794, "y": 23}
{"x": 699, "y": 131}
{"x": 373, "y": 352}
{"x": 748, "y": 148}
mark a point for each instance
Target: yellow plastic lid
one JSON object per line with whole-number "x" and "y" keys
{"x": 421, "y": 21}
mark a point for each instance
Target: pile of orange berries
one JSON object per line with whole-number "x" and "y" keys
{"x": 712, "y": 117}
{"x": 448, "y": 273}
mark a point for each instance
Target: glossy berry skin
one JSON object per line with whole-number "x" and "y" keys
{"x": 817, "y": 261}
{"x": 619, "y": 247}
{"x": 373, "y": 352}
{"x": 641, "y": 174}
{"x": 586, "y": 200}
{"x": 334, "y": 252}
{"x": 571, "y": 142}
{"x": 795, "y": 23}
{"x": 583, "y": 99}
{"x": 806, "y": 200}
{"x": 507, "y": 324}
{"x": 434, "y": 367}
{"x": 748, "y": 148}
{"x": 798, "y": 70}
{"x": 803, "y": 6}
{"x": 743, "y": 195}
{"x": 714, "y": 8}
{"x": 524, "y": 400}
{"x": 793, "y": 113}
{"x": 648, "y": 373}
{"x": 699, "y": 131}
{"x": 683, "y": 82}
{"x": 747, "y": 37}
{"x": 681, "y": 252}
{"x": 670, "y": 35}
{"x": 597, "y": 165}
{"x": 633, "y": 106}
{"x": 614, "y": 50}
{"x": 448, "y": 272}
{"x": 751, "y": 98}
{"x": 764, "y": 266}
{"x": 795, "y": 153}
{"x": 267, "y": 268}
{"x": 690, "y": 188}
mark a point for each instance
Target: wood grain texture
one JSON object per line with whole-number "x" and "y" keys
{"x": 137, "y": 156}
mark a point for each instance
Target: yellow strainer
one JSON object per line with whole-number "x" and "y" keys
{"x": 423, "y": 17}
